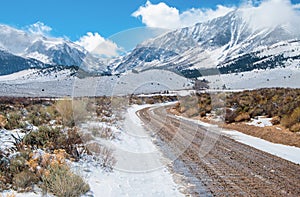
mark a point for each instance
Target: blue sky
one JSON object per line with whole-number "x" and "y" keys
{"x": 73, "y": 18}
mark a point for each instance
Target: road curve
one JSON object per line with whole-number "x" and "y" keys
{"x": 229, "y": 168}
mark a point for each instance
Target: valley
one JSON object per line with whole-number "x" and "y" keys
{"x": 195, "y": 102}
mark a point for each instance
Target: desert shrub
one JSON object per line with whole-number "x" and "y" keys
{"x": 45, "y": 136}
{"x": 3, "y": 121}
{"x": 275, "y": 120}
{"x": 10, "y": 167}
{"x": 242, "y": 117}
{"x": 8, "y": 195}
{"x": 24, "y": 180}
{"x": 14, "y": 121}
{"x": 103, "y": 132}
{"x": 17, "y": 164}
{"x": 230, "y": 115}
{"x": 60, "y": 181}
{"x": 104, "y": 155}
{"x": 71, "y": 143}
{"x": 55, "y": 138}
{"x": 295, "y": 127}
{"x": 71, "y": 111}
{"x": 191, "y": 112}
{"x": 54, "y": 173}
{"x": 289, "y": 120}
{"x": 41, "y": 115}
{"x": 256, "y": 111}
{"x": 219, "y": 112}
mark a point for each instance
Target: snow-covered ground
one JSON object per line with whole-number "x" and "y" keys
{"x": 260, "y": 121}
{"x": 140, "y": 170}
{"x": 277, "y": 77}
{"x": 29, "y": 83}
{"x": 7, "y": 140}
{"x": 289, "y": 153}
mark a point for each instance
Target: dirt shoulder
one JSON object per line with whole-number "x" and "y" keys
{"x": 276, "y": 133}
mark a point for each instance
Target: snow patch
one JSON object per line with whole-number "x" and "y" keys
{"x": 261, "y": 121}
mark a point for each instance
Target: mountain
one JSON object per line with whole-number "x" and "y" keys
{"x": 10, "y": 63}
{"x": 22, "y": 50}
{"x": 223, "y": 45}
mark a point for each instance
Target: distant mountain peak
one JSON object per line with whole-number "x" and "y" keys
{"x": 228, "y": 43}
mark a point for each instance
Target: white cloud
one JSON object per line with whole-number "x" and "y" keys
{"x": 272, "y": 13}
{"x": 97, "y": 45}
{"x": 259, "y": 14}
{"x": 159, "y": 15}
{"x": 162, "y": 16}
{"x": 39, "y": 28}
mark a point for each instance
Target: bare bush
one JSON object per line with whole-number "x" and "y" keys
{"x": 103, "y": 132}
{"x": 104, "y": 154}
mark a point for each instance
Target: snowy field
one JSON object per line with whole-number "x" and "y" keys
{"x": 60, "y": 83}
{"x": 278, "y": 77}
{"x": 27, "y": 83}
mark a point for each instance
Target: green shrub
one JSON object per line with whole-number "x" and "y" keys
{"x": 14, "y": 121}
{"x": 44, "y": 136}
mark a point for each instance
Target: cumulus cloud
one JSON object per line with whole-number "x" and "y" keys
{"x": 163, "y": 16}
{"x": 259, "y": 14}
{"x": 158, "y": 15}
{"x": 39, "y": 28}
{"x": 97, "y": 45}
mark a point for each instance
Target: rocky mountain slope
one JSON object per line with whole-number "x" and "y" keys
{"x": 223, "y": 45}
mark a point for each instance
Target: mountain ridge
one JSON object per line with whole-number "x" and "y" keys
{"x": 223, "y": 44}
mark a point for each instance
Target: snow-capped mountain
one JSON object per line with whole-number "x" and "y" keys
{"x": 229, "y": 43}
{"x": 22, "y": 50}
{"x": 45, "y": 49}
{"x": 10, "y": 63}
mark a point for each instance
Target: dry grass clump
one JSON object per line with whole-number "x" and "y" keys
{"x": 242, "y": 117}
{"x": 72, "y": 111}
{"x": 103, "y": 132}
{"x": 104, "y": 155}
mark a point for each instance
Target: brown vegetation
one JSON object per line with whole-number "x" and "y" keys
{"x": 278, "y": 103}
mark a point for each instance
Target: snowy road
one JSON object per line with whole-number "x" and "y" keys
{"x": 140, "y": 170}
{"x": 223, "y": 165}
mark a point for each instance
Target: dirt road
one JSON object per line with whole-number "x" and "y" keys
{"x": 215, "y": 165}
